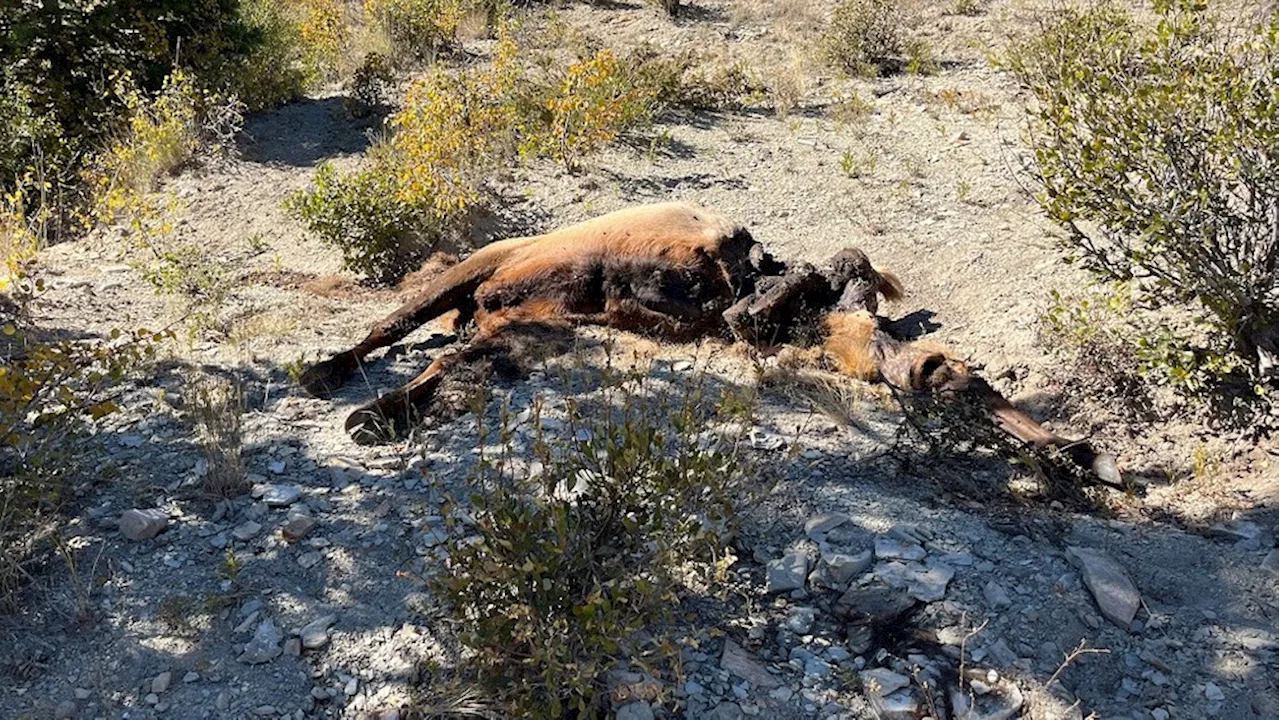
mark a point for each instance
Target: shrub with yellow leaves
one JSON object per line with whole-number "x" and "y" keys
{"x": 51, "y": 391}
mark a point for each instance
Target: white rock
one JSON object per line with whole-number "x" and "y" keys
{"x": 143, "y": 524}
{"x": 842, "y": 568}
{"x": 880, "y": 682}
{"x": 931, "y": 584}
{"x": 888, "y": 548}
{"x": 823, "y": 523}
{"x": 1115, "y": 593}
{"x": 246, "y": 531}
{"x": 265, "y": 645}
{"x": 281, "y": 495}
{"x": 315, "y": 634}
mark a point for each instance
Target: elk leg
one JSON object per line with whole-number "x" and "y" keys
{"x": 862, "y": 349}
{"x": 389, "y": 416}
{"x": 440, "y": 296}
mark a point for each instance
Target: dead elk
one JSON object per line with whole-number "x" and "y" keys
{"x": 675, "y": 271}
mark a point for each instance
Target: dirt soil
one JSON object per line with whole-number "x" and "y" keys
{"x": 159, "y": 627}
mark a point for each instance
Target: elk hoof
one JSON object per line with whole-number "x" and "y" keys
{"x": 381, "y": 421}
{"x": 323, "y": 379}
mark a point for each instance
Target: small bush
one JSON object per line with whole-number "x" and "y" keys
{"x": 866, "y": 37}
{"x": 371, "y": 85}
{"x": 217, "y": 407}
{"x": 419, "y": 29}
{"x": 1156, "y": 150}
{"x": 575, "y": 571}
{"x": 587, "y": 106}
{"x": 295, "y": 47}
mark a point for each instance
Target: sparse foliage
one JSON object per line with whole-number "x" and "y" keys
{"x": 866, "y": 37}
{"x": 1156, "y": 151}
{"x": 574, "y": 569}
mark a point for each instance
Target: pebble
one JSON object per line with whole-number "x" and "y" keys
{"x": 315, "y": 634}
{"x": 309, "y": 560}
{"x": 819, "y": 525}
{"x": 800, "y": 620}
{"x": 879, "y": 682}
{"x": 841, "y": 568}
{"x": 738, "y": 661}
{"x": 161, "y": 682}
{"x": 888, "y": 548}
{"x": 82, "y": 693}
{"x": 66, "y": 710}
{"x": 996, "y": 596}
{"x": 279, "y": 496}
{"x": 138, "y": 524}
{"x": 191, "y": 677}
{"x": 298, "y": 527}
{"x": 1213, "y": 693}
{"x": 1271, "y": 563}
{"x": 638, "y": 710}
{"x": 223, "y": 701}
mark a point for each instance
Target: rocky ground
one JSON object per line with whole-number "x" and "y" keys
{"x": 863, "y": 579}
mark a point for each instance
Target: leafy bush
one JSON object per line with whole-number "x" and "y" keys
{"x": 423, "y": 179}
{"x": 371, "y": 85}
{"x": 294, "y": 47}
{"x": 1143, "y": 364}
{"x": 1156, "y": 150}
{"x": 419, "y": 29}
{"x": 55, "y": 55}
{"x": 588, "y": 106}
{"x": 420, "y": 181}
{"x": 574, "y": 569}
{"x": 866, "y": 37}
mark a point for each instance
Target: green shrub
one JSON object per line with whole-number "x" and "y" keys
{"x": 1156, "y": 150}
{"x": 575, "y": 570}
{"x": 371, "y": 85}
{"x": 422, "y": 180}
{"x": 866, "y": 37}
{"x": 1144, "y": 364}
{"x": 56, "y": 55}
{"x": 362, "y": 215}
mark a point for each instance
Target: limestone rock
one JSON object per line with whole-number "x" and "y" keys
{"x": 315, "y": 634}
{"x": 1115, "y": 593}
{"x": 738, "y": 661}
{"x": 265, "y": 645}
{"x": 787, "y": 572}
{"x": 143, "y": 524}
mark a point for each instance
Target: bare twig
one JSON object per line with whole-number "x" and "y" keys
{"x": 1070, "y": 657}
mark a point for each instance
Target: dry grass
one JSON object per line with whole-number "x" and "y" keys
{"x": 216, "y": 409}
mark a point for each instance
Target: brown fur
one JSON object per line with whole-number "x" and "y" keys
{"x": 670, "y": 271}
